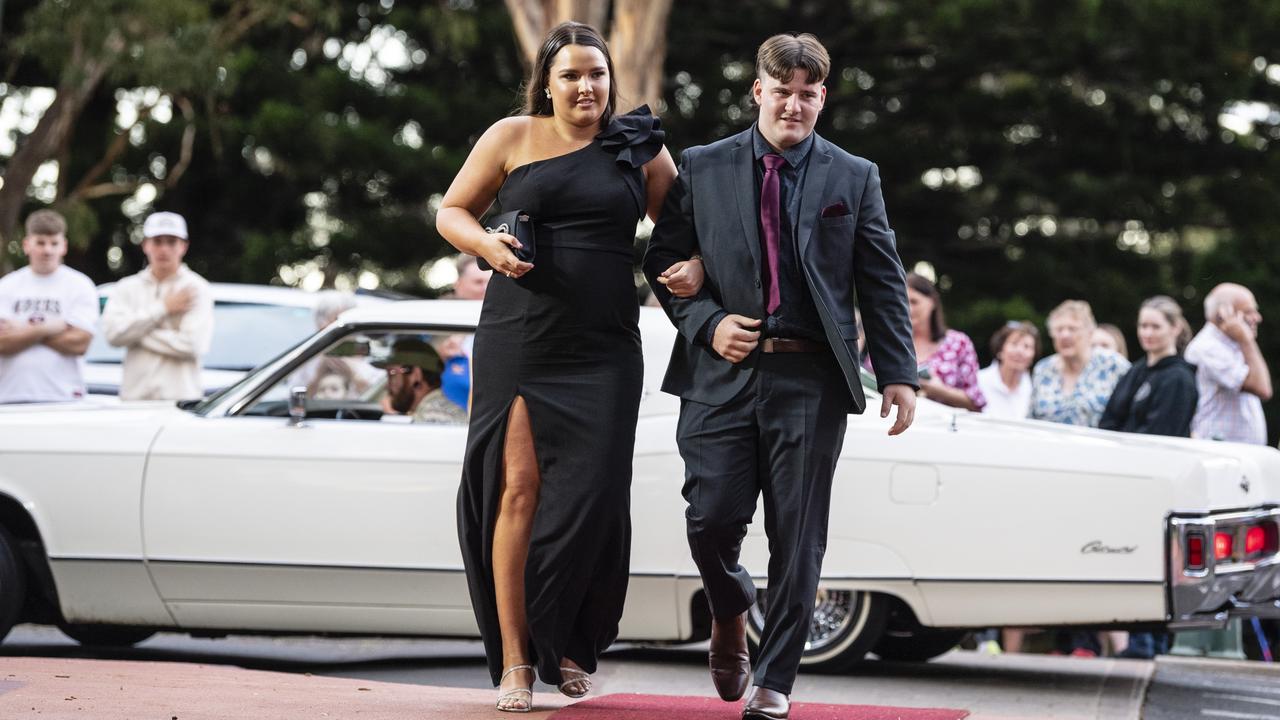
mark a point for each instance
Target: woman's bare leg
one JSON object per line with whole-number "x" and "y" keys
{"x": 517, "y": 501}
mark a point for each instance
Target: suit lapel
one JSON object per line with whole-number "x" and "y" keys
{"x": 815, "y": 189}
{"x": 744, "y": 184}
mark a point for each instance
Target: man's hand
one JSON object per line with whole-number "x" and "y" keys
{"x": 1232, "y": 322}
{"x": 683, "y": 279}
{"x": 734, "y": 339}
{"x": 905, "y": 398}
{"x": 179, "y": 301}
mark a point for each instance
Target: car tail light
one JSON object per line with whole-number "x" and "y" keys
{"x": 1221, "y": 545}
{"x": 1255, "y": 540}
{"x": 1195, "y": 551}
{"x": 1259, "y": 539}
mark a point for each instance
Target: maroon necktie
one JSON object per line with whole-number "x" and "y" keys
{"x": 771, "y": 229}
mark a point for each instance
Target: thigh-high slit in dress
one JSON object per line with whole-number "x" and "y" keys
{"x": 564, "y": 337}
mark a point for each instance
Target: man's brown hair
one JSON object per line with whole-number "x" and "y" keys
{"x": 781, "y": 55}
{"x": 46, "y": 222}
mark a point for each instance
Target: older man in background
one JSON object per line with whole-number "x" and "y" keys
{"x": 472, "y": 281}
{"x": 163, "y": 316}
{"x": 1231, "y": 374}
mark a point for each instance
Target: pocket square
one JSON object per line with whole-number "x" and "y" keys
{"x": 836, "y": 210}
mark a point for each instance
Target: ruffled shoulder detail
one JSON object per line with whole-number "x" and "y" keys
{"x": 636, "y": 138}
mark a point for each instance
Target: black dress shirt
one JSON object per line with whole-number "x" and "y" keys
{"x": 797, "y": 316}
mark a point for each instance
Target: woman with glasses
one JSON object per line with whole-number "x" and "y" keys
{"x": 1073, "y": 385}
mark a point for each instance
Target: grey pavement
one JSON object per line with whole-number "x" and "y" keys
{"x": 1218, "y": 690}
{"x": 1002, "y": 687}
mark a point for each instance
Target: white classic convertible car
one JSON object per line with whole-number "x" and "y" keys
{"x": 264, "y": 510}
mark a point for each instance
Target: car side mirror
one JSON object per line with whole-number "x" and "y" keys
{"x": 297, "y": 405}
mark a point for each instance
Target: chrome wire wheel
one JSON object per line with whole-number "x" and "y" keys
{"x": 843, "y": 627}
{"x": 833, "y": 612}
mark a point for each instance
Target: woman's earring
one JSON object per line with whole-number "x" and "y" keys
{"x": 547, "y": 92}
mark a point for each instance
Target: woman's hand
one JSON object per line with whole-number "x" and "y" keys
{"x": 932, "y": 388}
{"x": 683, "y": 279}
{"x": 940, "y": 392}
{"x": 496, "y": 249}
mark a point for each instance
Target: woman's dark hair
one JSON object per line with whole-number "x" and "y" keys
{"x": 536, "y": 101}
{"x": 1010, "y": 329}
{"x": 921, "y": 284}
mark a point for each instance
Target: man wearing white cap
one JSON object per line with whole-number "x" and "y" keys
{"x": 163, "y": 315}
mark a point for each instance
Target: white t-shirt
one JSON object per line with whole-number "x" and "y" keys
{"x": 40, "y": 373}
{"x": 1002, "y": 402}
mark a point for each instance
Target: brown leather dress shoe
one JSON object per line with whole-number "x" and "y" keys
{"x": 729, "y": 659}
{"x": 766, "y": 704}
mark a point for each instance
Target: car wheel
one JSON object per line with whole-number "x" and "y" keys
{"x": 105, "y": 635}
{"x": 845, "y": 626}
{"x": 13, "y": 583}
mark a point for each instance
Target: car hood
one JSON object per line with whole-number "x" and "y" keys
{"x": 93, "y": 427}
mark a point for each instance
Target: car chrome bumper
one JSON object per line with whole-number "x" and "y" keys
{"x": 1222, "y": 590}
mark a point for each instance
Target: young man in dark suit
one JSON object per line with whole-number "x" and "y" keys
{"x": 766, "y": 360}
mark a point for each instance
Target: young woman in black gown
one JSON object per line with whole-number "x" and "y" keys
{"x": 544, "y": 506}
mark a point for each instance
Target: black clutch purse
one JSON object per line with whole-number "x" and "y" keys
{"x": 516, "y": 223}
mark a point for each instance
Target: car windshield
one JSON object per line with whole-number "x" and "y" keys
{"x": 343, "y": 368}
{"x": 245, "y": 335}
{"x": 201, "y": 407}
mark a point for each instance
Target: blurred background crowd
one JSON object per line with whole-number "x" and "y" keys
{"x": 1030, "y": 152}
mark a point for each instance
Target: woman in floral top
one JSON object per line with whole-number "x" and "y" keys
{"x": 1073, "y": 385}
{"x": 948, "y": 362}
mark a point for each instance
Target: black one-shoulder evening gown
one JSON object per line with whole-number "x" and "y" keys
{"x": 565, "y": 337}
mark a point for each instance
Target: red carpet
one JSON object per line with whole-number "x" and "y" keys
{"x": 666, "y": 707}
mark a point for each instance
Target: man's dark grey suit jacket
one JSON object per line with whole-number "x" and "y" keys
{"x": 845, "y": 246}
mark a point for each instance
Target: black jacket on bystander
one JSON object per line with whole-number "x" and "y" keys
{"x": 1155, "y": 399}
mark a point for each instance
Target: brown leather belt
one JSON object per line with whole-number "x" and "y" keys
{"x": 791, "y": 345}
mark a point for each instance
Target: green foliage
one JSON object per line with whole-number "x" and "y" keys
{"x": 64, "y": 35}
{"x": 1104, "y": 173}
{"x": 1030, "y": 151}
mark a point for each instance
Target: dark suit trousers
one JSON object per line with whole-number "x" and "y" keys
{"x": 779, "y": 438}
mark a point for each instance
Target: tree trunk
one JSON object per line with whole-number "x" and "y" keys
{"x": 637, "y": 39}
{"x": 50, "y": 134}
{"x": 638, "y": 42}
{"x": 36, "y": 148}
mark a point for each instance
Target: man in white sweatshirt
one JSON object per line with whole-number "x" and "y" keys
{"x": 47, "y": 315}
{"x": 163, "y": 315}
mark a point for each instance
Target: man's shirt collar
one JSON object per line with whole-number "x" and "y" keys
{"x": 794, "y": 155}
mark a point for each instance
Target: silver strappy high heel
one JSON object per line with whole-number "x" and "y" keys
{"x": 582, "y": 678}
{"x": 524, "y": 695}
